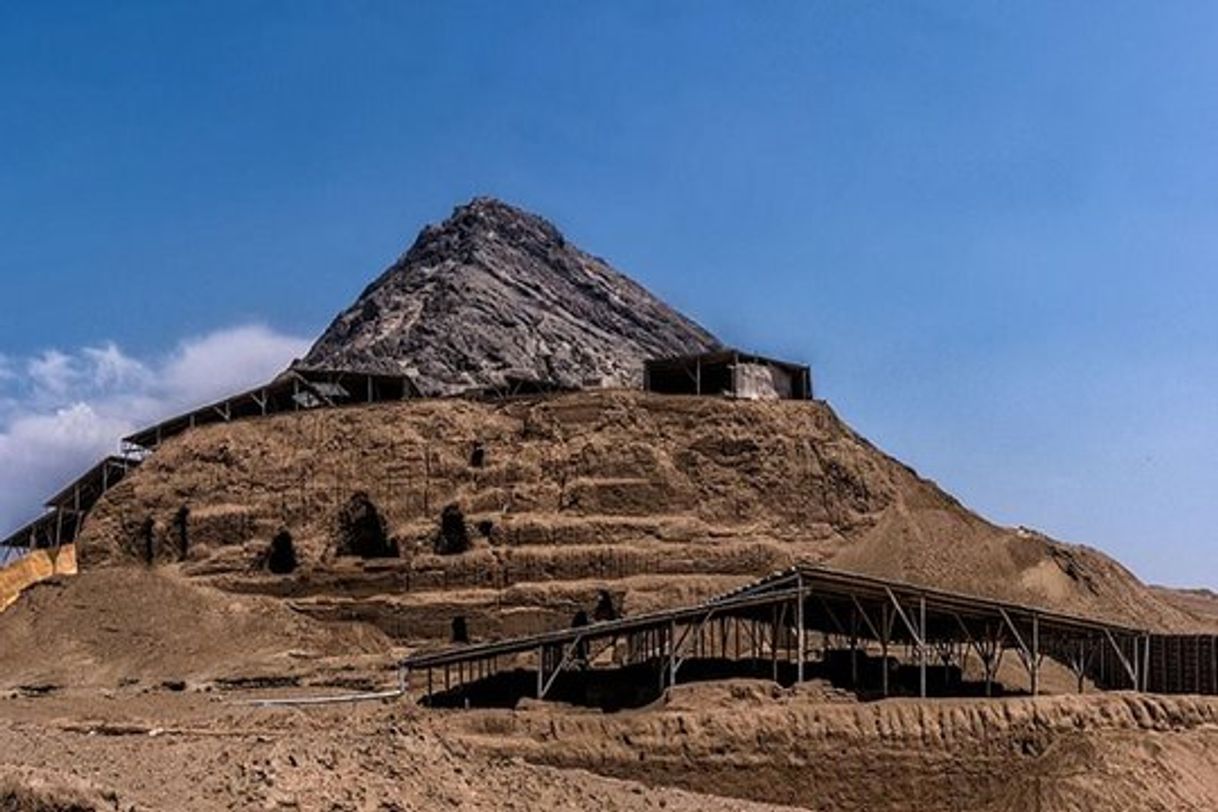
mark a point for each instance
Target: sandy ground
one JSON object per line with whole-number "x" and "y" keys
{"x": 712, "y": 748}
{"x": 748, "y": 740}
{"x": 165, "y": 751}
{"x": 130, "y": 689}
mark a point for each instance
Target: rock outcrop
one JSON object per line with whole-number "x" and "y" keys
{"x": 496, "y": 293}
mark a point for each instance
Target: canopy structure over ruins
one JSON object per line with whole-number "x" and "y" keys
{"x": 296, "y": 389}
{"x": 728, "y": 372}
{"x": 771, "y": 624}
{"x": 67, "y": 509}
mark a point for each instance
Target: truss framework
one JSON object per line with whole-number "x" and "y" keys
{"x": 770, "y": 619}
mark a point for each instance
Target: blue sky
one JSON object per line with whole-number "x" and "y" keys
{"x": 989, "y": 226}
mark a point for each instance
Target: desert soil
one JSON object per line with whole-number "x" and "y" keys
{"x": 663, "y": 501}
{"x": 131, "y": 688}
{"x": 148, "y": 748}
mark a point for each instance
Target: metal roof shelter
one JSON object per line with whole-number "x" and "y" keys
{"x": 48, "y": 530}
{"x": 728, "y": 372}
{"x": 66, "y": 509}
{"x": 83, "y": 493}
{"x": 775, "y": 615}
{"x": 1184, "y": 664}
{"x": 517, "y": 386}
{"x": 9, "y": 554}
{"x": 295, "y": 389}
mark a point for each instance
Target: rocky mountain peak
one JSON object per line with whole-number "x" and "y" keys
{"x": 495, "y": 292}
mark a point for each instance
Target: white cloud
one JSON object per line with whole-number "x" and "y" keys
{"x": 109, "y": 367}
{"x": 226, "y": 361}
{"x": 53, "y": 371}
{"x": 70, "y": 409}
{"x": 39, "y": 452}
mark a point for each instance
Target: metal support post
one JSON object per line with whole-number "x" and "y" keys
{"x": 1137, "y": 663}
{"x": 922, "y": 646}
{"x": 774, "y": 643}
{"x": 1035, "y": 669}
{"x": 884, "y": 647}
{"x": 541, "y": 671}
{"x": 799, "y": 619}
{"x": 854, "y": 648}
{"x": 672, "y": 656}
{"x": 1146, "y": 666}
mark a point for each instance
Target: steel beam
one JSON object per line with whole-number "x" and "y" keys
{"x": 568, "y": 651}
{"x": 541, "y": 671}
{"x": 922, "y": 646}
{"x": 884, "y": 624}
{"x": 1035, "y": 669}
{"x": 1129, "y": 669}
{"x": 799, "y": 633}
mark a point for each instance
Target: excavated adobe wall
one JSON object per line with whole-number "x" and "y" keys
{"x": 35, "y": 566}
{"x": 599, "y": 487}
{"x": 1085, "y": 753}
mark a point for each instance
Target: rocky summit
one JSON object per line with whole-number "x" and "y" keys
{"x": 495, "y": 293}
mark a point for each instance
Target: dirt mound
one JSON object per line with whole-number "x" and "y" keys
{"x": 661, "y": 500}
{"x": 184, "y": 753}
{"x": 737, "y": 693}
{"x": 494, "y": 292}
{"x": 1091, "y": 754}
{"x": 1125, "y": 770}
{"x": 33, "y": 790}
{"x": 116, "y": 625}
{"x": 1201, "y": 604}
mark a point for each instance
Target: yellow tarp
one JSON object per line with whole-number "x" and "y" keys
{"x": 32, "y": 568}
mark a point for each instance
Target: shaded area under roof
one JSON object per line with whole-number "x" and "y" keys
{"x": 821, "y": 585}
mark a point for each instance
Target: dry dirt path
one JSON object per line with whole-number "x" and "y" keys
{"x": 182, "y": 752}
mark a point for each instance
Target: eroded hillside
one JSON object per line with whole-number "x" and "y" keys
{"x": 662, "y": 500}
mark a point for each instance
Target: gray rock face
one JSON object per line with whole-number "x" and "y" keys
{"x": 495, "y": 292}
